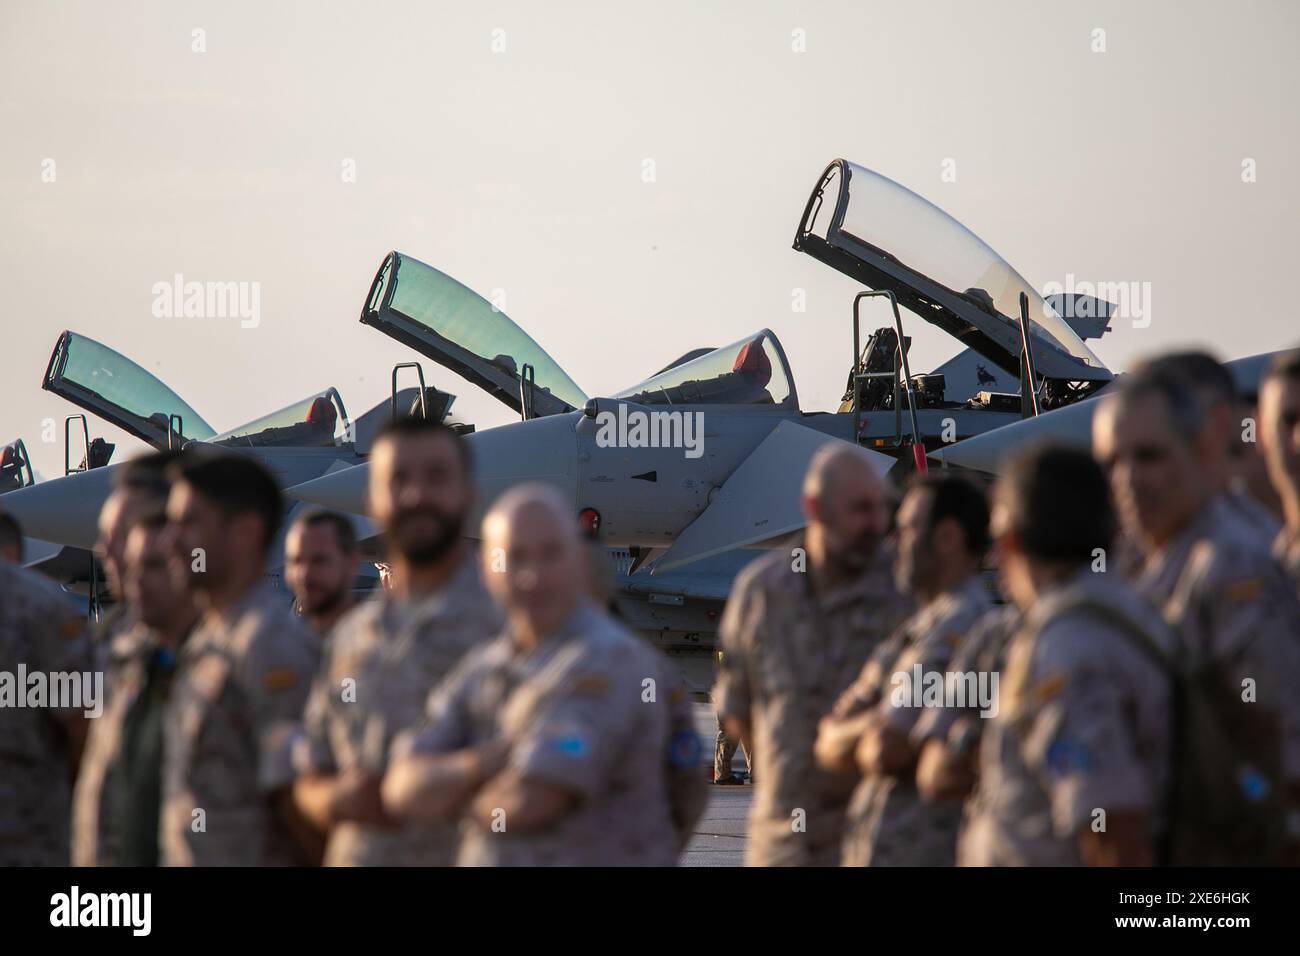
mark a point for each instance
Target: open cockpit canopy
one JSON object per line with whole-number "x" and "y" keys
{"x": 100, "y": 380}
{"x": 888, "y": 237}
{"x": 456, "y": 327}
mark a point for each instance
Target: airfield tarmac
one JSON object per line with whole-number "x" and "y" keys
{"x": 720, "y": 835}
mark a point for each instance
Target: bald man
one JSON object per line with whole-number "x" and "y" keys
{"x": 565, "y": 742}
{"x": 797, "y": 630}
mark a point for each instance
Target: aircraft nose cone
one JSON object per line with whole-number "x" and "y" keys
{"x": 63, "y": 510}
{"x": 1071, "y": 425}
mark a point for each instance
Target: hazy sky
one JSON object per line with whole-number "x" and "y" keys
{"x": 522, "y": 171}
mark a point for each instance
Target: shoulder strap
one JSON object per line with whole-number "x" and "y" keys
{"x": 1139, "y": 636}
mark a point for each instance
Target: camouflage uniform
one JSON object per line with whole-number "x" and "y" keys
{"x": 95, "y": 799}
{"x": 1241, "y": 504}
{"x": 382, "y": 660}
{"x": 724, "y": 752}
{"x": 1084, "y": 724}
{"x": 1286, "y": 551}
{"x": 888, "y": 823}
{"x": 576, "y": 713}
{"x": 107, "y": 633}
{"x": 1232, "y": 605}
{"x": 40, "y": 630}
{"x": 788, "y": 655}
{"x": 982, "y": 651}
{"x": 237, "y": 697}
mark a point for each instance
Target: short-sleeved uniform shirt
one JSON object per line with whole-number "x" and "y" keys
{"x": 982, "y": 651}
{"x": 592, "y": 709}
{"x": 1232, "y": 606}
{"x": 1083, "y": 727}
{"x": 382, "y": 660}
{"x": 788, "y": 654}
{"x": 235, "y": 707}
{"x": 41, "y": 635}
{"x": 888, "y": 824}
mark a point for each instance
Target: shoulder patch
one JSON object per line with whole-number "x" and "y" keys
{"x": 72, "y": 626}
{"x": 591, "y": 685}
{"x": 1244, "y": 589}
{"x": 1068, "y": 758}
{"x": 280, "y": 679}
{"x": 1049, "y": 688}
{"x": 953, "y": 638}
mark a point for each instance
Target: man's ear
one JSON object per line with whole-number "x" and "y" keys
{"x": 811, "y": 509}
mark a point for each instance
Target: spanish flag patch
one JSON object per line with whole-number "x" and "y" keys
{"x": 1049, "y": 688}
{"x": 1245, "y": 589}
{"x": 591, "y": 685}
{"x": 280, "y": 679}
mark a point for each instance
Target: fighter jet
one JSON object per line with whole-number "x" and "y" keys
{"x": 707, "y": 455}
{"x": 304, "y": 440}
{"x": 442, "y": 319}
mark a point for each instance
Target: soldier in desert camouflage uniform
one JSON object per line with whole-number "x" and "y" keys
{"x": 41, "y": 632}
{"x": 942, "y": 537}
{"x": 115, "y": 818}
{"x": 1206, "y": 568}
{"x": 1074, "y": 765}
{"x": 241, "y": 678}
{"x": 386, "y": 655}
{"x": 566, "y": 741}
{"x": 793, "y": 638}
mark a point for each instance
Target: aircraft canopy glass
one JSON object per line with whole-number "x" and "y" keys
{"x": 892, "y": 219}
{"x": 318, "y": 420}
{"x": 751, "y": 371}
{"x": 121, "y": 383}
{"x": 438, "y": 302}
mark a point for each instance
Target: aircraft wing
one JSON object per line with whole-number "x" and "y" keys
{"x": 760, "y": 500}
